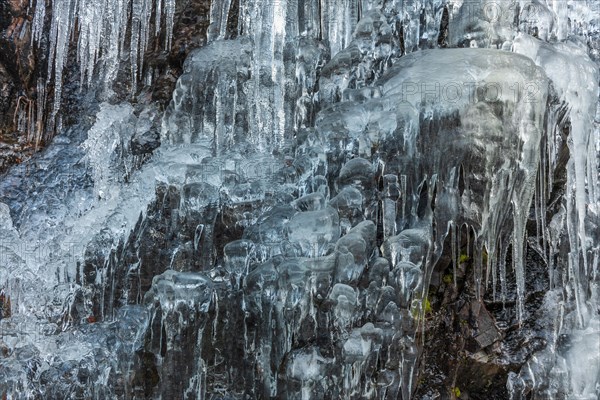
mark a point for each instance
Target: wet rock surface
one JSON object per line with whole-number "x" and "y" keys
{"x": 17, "y": 83}
{"x": 282, "y": 213}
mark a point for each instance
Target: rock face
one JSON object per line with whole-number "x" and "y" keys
{"x": 300, "y": 200}
{"x": 17, "y": 83}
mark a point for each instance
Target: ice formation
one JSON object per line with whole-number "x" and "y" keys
{"x": 107, "y": 32}
{"x": 315, "y": 171}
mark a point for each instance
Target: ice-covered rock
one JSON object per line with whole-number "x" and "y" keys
{"x": 324, "y": 184}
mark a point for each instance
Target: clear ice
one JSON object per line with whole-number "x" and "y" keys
{"x": 313, "y": 172}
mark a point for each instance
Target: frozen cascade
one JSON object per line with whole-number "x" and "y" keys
{"x": 292, "y": 40}
{"x": 575, "y": 77}
{"x": 328, "y": 182}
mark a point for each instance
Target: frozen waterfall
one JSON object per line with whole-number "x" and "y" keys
{"x": 344, "y": 199}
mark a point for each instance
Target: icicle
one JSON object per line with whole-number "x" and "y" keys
{"x": 134, "y": 48}
{"x": 219, "y": 13}
{"x": 60, "y": 31}
{"x": 390, "y": 205}
{"x": 158, "y": 17}
{"x": 502, "y": 271}
{"x": 518, "y": 245}
{"x": 38, "y": 21}
{"x": 455, "y": 240}
{"x": 493, "y": 262}
{"x": 478, "y": 267}
{"x": 198, "y": 235}
{"x": 573, "y": 258}
{"x": 468, "y": 250}
{"x": 145, "y": 31}
{"x": 169, "y": 17}
{"x": 486, "y": 256}
{"x": 403, "y": 198}
{"x": 215, "y": 300}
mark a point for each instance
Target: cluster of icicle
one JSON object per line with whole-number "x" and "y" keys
{"x": 100, "y": 29}
{"x": 281, "y": 30}
{"x": 543, "y": 31}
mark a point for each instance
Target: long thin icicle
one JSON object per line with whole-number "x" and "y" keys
{"x": 101, "y": 27}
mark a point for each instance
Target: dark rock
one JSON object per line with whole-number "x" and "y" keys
{"x": 144, "y": 143}
{"x": 18, "y": 66}
{"x": 484, "y": 329}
